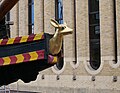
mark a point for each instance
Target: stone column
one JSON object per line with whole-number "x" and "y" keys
{"x": 23, "y": 17}
{"x": 107, "y": 29}
{"x": 82, "y": 29}
{"x": 49, "y": 12}
{"x": 38, "y": 16}
{"x": 68, "y": 13}
{"x": 14, "y": 29}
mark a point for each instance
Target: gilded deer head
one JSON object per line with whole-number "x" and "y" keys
{"x": 55, "y": 42}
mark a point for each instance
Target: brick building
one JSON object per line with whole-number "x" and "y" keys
{"x": 91, "y": 55}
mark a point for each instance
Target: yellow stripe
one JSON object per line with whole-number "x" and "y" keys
{"x": 20, "y": 58}
{"x": 11, "y": 41}
{"x": 24, "y": 39}
{"x": 6, "y": 60}
{"x": 55, "y": 60}
{"x": 33, "y": 55}
{"x": 1, "y": 40}
{"x": 38, "y": 36}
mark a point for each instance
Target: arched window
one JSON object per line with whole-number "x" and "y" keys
{"x": 59, "y": 19}
{"x": 94, "y": 34}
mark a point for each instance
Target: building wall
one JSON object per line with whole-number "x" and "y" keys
{"x": 79, "y": 77}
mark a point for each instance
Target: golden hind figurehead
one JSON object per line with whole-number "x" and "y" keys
{"x": 55, "y": 42}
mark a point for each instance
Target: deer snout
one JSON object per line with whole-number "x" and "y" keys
{"x": 66, "y": 31}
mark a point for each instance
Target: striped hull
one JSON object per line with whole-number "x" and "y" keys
{"x": 23, "y": 58}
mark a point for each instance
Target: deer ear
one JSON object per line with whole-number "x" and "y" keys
{"x": 54, "y": 23}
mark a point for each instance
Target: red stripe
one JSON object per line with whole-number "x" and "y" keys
{"x": 50, "y": 58}
{"x": 26, "y": 57}
{"x": 40, "y": 54}
{"x": 31, "y": 37}
{"x": 43, "y": 36}
{"x": 13, "y": 59}
{"x": 1, "y": 61}
{"x": 17, "y": 40}
{"x": 4, "y": 41}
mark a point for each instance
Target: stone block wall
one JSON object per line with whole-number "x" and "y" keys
{"x": 79, "y": 77}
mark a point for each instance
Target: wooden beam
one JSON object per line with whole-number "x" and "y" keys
{"x": 6, "y": 6}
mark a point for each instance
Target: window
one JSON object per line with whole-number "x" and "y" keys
{"x": 5, "y": 26}
{"x": 31, "y": 16}
{"x": 60, "y": 64}
{"x": 8, "y": 23}
{"x": 59, "y": 11}
{"x": 3, "y": 33}
{"x": 94, "y": 34}
{"x": 59, "y": 19}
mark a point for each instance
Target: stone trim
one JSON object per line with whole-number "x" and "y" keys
{"x": 90, "y": 70}
{"x": 101, "y": 82}
{"x": 57, "y": 71}
{"x": 74, "y": 65}
{"x": 115, "y": 65}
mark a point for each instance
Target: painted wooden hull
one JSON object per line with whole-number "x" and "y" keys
{"x": 23, "y": 57}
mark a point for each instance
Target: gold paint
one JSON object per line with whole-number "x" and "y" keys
{"x": 38, "y": 36}
{"x": 33, "y": 55}
{"x": 55, "y": 42}
{"x": 1, "y": 40}
{"x": 55, "y": 60}
{"x": 11, "y": 41}
{"x": 24, "y": 39}
{"x": 6, "y": 60}
{"x": 20, "y": 58}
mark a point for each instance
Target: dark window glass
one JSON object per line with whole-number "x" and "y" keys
{"x": 60, "y": 64}
{"x": 3, "y": 32}
{"x": 93, "y": 5}
{"x": 5, "y": 26}
{"x": 31, "y": 16}
{"x": 94, "y": 34}
{"x": 7, "y": 19}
